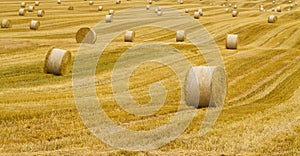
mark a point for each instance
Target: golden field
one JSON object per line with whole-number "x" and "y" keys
{"x": 261, "y": 115}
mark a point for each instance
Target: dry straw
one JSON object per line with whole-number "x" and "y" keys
{"x": 6, "y": 23}
{"x": 196, "y": 15}
{"x": 41, "y": 13}
{"x": 23, "y": 4}
{"x": 272, "y": 19}
{"x": 100, "y": 8}
{"x": 86, "y": 35}
{"x": 180, "y": 35}
{"x": 34, "y": 25}
{"x": 58, "y": 61}
{"x": 234, "y": 13}
{"x": 36, "y": 3}
{"x": 231, "y": 41}
{"x": 30, "y": 8}
{"x": 206, "y": 86}
{"x": 22, "y": 12}
{"x": 108, "y": 18}
{"x": 129, "y": 36}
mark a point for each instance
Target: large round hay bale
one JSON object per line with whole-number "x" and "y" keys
{"x": 234, "y": 13}
{"x": 58, "y": 61}
{"x": 147, "y": 7}
{"x": 108, "y": 18}
{"x": 36, "y": 3}
{"x": 91, "y": 2}
{"x": 86, "y": 35}
{"x": 129, "y": 36}
{"x": 206, "y": 86}
{"x": 226, "y": 10}
{"x": 34, "y": 25}
{"x": 110, "y": 12}
{"x": 23, "y": 4}
{"x": 41, "y": 13}
{"x": 186, "y": 10}
{"x": 231, "y": 41}
{"x": 6, "y": 23}
{"x": 118, "y": 1}
{"x": 70, "y": 8}
{"x": 234, "y": 6}
{"x": 30, "y": 8}
{"x": 196, "y": 15}
{"x": 180, "y": 35}
{"x": 58, "y": 1}
{"x": 278, "y": 9}
{"x": 100, "y": 8}
{"x": 22, "y": 12}
{"x": 272, "y": 19}
{"x": 150, "y": 1}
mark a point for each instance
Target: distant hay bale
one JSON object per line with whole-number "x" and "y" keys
{"x": 91, "y": 2}
{"x": 23, "y": 4}
{"x": 196, "y": 15}
{"x": 181, "y": 2}
{"x": 129, "y": 36}
{"x": 158, "y": 8}
{"x": 58, "y": 1}
{"x": 205, "y": 86}
{"x": 147, "y": 7}
{"x": 58, "y": 62}
{"x": 234, "y": 6}
{"x": 118, "y": 1}
{"x": 100, "y": 8}
{"x": 111, "y": 12}
{"x": 6, "y": 23}
{"x": 231, "y": 41}
{"x": 34, "y": 25}
{"x": 86, "y": 35}
{"x": 41, "y": 13}
{"x": 226, "y": 10}
{"x": 186, "y": 10}
{"x": 234, "y": 13}
{"x": 278, "y": 9}
{"x": 273, "y": 9}
{"x": 272, "y": 19}
{"x": 108, "y": 18}
{"x": 30, "y": 8}
{"x": 159, "y": 13}
{"x": 36, "y": 3}
{"x": 70, "y": 8}
{"x": 229, "y": 5}
{"x": 273, "y": 1}
{"x": 180, "y": 36}
{"x": 22, "y": 12}
{"x": 150, "y": 1}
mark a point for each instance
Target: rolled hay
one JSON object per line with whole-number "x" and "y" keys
{"x": 273, "y": 2}
{"x": 158, "y": 8}
{"x": 186, "y": 10}
{"x": 108, "y": 18}
{"x": 231, "y": 41}
{"x": 229, "y": 5}
{"x": 36, "y": 3}
{"x": 34, "y": 25}
{"x": 23, "y": 4}
{"x": 118, "y": 1}
{"x": 278, "y": 9}
{"x": 234, "y": 13}
{"x": 180, "y": 36}
{"x": 272, "y": 19}
{"x": 30, "y": 8}
{"x": 129, "y": 36}
{"x": 273, "y": 9}
{"x": 262, "y": 9}
{"x": 159, "y": 13}
{"x": 234, "y": 6}
{"x": 100, "y": 8}
{"x": 150, "y": 1}
{"x": 70, "y": 8}
{"x": 196, "y": 15}
{"x": 91, "y": 2}
{"x": 206, "y": 86}
{"x": 22, "y": 12}
{"x": 201, "y": 13}
{"x": 41, "y": 13}
{"x": 6, "y": 23}
{"x": 226, "y": 10}
{"x": 181, "y": 2}
{"x": 86, "y": 35}
{"x": 58, "y": 1}
{"x": 58, "y": 62}
{"x": 110, "y": 12}
{"x": 147, "y": 7}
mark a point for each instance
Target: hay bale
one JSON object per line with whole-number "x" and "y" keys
{"x": 34, "y": 25}
{"x": 231, "y": 41}
{"x": 272, "y": 19}
{"x": 110, "y": 12}
{"x": 234, "y": 6}
{"x": 23, "y": 4}
{"x": 181, "y": 2}
{"x": 180, "y": 36}
{"x": 36, "y": 3}
{"x": 229, "y": 5}
{"x": 234, "y": 13}
{"x": 6, "y": 23}
{"x": 70, "y": 8}
{"x": 273, "y": 9}
{"x": 118, "y": 1}
{"x": 100, "y": 8}
{"x": 22, "y": 12}
{"x": 147, "y": 7}
{"x": 159, "y": 13}
{"x": 91, "y": 2}
{"x": 41, "y": 13}
{"x": 58, "y": 62}
{"x": 273, "y": 1}
{"x": 206, "y": 86}
{"x": 186, "y": 10}
{"x": 129, "y": 36}
{"x": 278, "y": 9}
{"x": 58, "y": 1}
{"x": 108, "y": 18}
{"x": 150, "y": 1}
{"x": 159, "y": 8}
{"x": 86, "y": 35}
{"x": 196, "y": 15}
{"x": 226, "y": 10}
{"x": 30, "y": 8}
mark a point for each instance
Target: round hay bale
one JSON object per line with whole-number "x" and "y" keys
{"x": 91, "y": 2}
{"x": 86, "y": 35}
{"x": 158, "y": 8}
{"x": 278, "y": 9}
{"x": 181, "y": 2}
{"x": 30, "y": 8}
{"x": 272, "y": 19}
{"x": 273, "y": 9}
{"x": 41, "y": 13}
{"x": 129, "y": 36}
{"x": 100, "y": 8}
{"x": 196, "y": 15}
{"x": 36, "y": 3}
{"x": 226, "y": 10}
{"x": 70, "y": 8}
{"x": 58, "y": 62}
{"x": 229, "y": 5}
{"x": 34, "y": 25}
{"x": 180, "y": 36}
{"x": 231, "y": 41}
{"x": 58, "y": 1}
{"x": 118, "y": 1}
{"x": 206, "y": 86}
{"x": 273, "y": 1}
{"x": 159, "y": 13}
{"x": 150, "y": 1}
{"x": 22, "y": 12}
{"x": 234, "y": 6}
{"x": 6, "y": 23}
{"x": 23, "y": 4}
{"x": 200, "y": 10}
{"x": 234, "y": 13}
{"x": 110, "y": 12}
{"x": 186, "y": 10}
{"x": 108, "y": 18}
{"x": 201, "y": 13}
{"x": 147, "y": 7}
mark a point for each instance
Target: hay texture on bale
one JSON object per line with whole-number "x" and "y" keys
{"x": 58, "y": 62}
{"x": 231, "y": 41}
{"x": 6, "y": 23}
{"x": 34, "y": 25}
{"x": 36, "y": 3}
{"x": 70, "y": 8}
{"x": 180, "y": 35}
{"x": 196, "y": 15}
{"x": 272, "y": 19}
{"x": 129, "y": 36}
{"x": 41, "y": 13}
{"x": 86, "y": 35}
{"x": 22, "y": 12}
{"x": 206, "y": 86}
{"x": 30, "y": 8}
{"x": 234, "y": 13}
{"x": 108, "y": 18}
{"x": 100, "y": 8}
